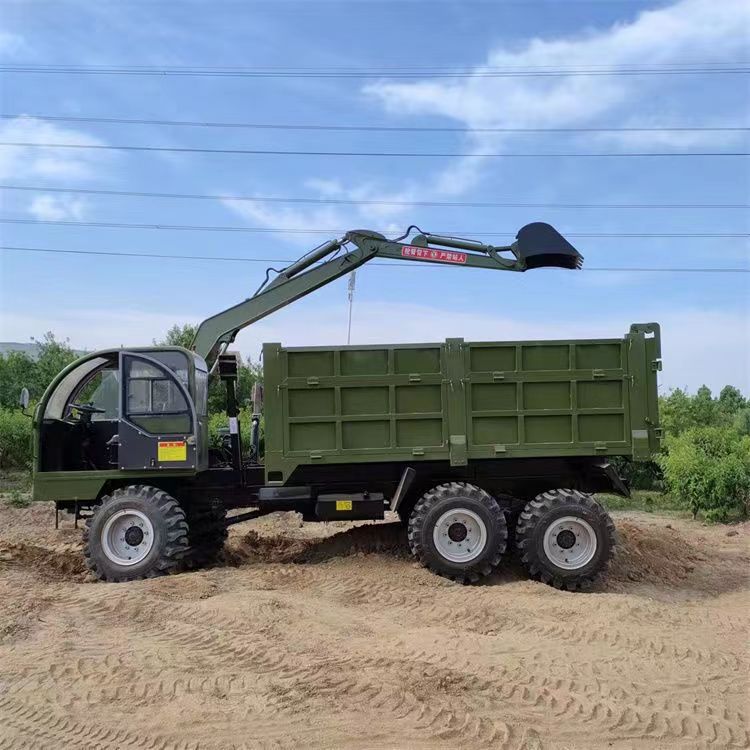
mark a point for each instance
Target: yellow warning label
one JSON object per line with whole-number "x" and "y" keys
{"x": 172, "y": 451}
{"x": 343, "y": 505}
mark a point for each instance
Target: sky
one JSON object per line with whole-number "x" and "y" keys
{"x": 406, "y": 48}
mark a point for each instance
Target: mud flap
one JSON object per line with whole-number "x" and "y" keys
{"x": 619, "y": 485}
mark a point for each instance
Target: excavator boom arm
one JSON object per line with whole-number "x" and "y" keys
{"x": 537, "y": 245}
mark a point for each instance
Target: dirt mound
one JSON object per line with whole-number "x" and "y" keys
{"x": 654, "y": 554}
{"x": 648, "y": 554}
{"x": 362, "y": 540}
{"x": 64, "y": 562}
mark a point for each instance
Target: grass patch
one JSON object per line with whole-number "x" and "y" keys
{"x": 15, "y": 488}
{"x": 15, "y": 480}
{"x": 645, "y": 500}
{"x": 18, "y": 499}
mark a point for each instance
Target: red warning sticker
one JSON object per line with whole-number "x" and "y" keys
{"x": 428, "y": 253}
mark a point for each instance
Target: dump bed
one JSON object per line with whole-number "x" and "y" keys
{"x": 461, "y": 401}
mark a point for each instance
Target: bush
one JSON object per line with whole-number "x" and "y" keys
{"x": 708, "y": 469}
{"x": 15, "y": 439}
{"x": 20, "y": 370}
{"x": 639, "y": 475}
{"x": 742, "y": 421}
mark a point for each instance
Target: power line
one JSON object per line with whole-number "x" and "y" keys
{"x": 465, "y": 67}
{"x": 369, "y": 128}
{"x": 279, "y": 260}
{"x": 339, "y": 232}
{"x": 353, "y": 202}
{"x": 478, "y": 72}
{"x": 380, "y": 154}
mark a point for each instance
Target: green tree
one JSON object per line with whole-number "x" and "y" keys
{"x": 16, "y": 372}
{"x": 19, "y": 370}
{"x": 731, "y": 400}
{"x": 676, "y": 412}
{"x": 53, "y": 356}
{"x": 708, "y": 469}
{"x": 680, "y": 411}
{"x": 742, "y": 421}
{"x": 705, "y": 409}
{"x": 178, "y": 335}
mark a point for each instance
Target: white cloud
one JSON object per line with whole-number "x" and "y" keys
{"x": 335, "y": 217}
{"x": 687, "y": 30}
{"x": 291, "y": 219}
{"x": 22, "y": 162}
{"x": 48, "y": 207}
{"x": 698, "y": 346}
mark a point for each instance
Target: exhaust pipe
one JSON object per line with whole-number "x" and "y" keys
{"x": 540, "y": 245}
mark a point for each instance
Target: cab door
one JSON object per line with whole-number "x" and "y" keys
{"x": 158, "y": 421}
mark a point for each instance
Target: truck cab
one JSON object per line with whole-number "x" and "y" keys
{"x": 117, "y": 411}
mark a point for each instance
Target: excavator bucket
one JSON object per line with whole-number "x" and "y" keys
{"x": 539, "y": 245}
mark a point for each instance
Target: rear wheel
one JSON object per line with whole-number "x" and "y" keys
{"x": 565, "y": 538}
{"x": 458, "y": 531}
{"x": 208, "y": 532}
{"x": 136, "y": 532}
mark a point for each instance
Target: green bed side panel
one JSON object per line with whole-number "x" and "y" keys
{"x": 461, "y": 400}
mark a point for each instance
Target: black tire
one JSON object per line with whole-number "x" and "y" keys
{"x": 207, "y": 522}
{"x": 455, "y": 496}
{"x": 169, "y": 540}
{"x": 540, "y": 514}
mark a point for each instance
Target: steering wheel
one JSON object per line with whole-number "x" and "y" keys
{"x": 87, "y": 409}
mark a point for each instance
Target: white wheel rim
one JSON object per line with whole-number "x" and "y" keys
{"x": 127, "y": 537}
{"x": 460, "y": 535}
{"x": 570, "y": 543}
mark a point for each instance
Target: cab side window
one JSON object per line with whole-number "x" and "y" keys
{"x": 101, "y": 390}
{"x": 151, "y": 391}
{"x": 153, "y": 400}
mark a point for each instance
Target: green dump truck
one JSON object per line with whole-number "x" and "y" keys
{"x": 477, "y": 446}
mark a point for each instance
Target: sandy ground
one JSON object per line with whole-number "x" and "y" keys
{"x": 329, "y": 636}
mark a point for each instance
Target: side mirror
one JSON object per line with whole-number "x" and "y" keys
{"x": 23, "y": 400}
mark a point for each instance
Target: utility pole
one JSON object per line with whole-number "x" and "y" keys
{"x": 352, "y": 283}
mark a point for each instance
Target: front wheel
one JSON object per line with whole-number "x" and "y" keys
{"x": 458, "y": 531}
{"x": 136, "y": 532}
{"x": 565, "y": 538}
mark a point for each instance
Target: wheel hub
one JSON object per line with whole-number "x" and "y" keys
{"x": 457, "y": 532}
{"x": 127, "y": 537}
{"x": 460, "y": 535}
{"x": 566, "y": 539}
{"x": 570, "y": 543}
{"x": 134, "y": 536}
